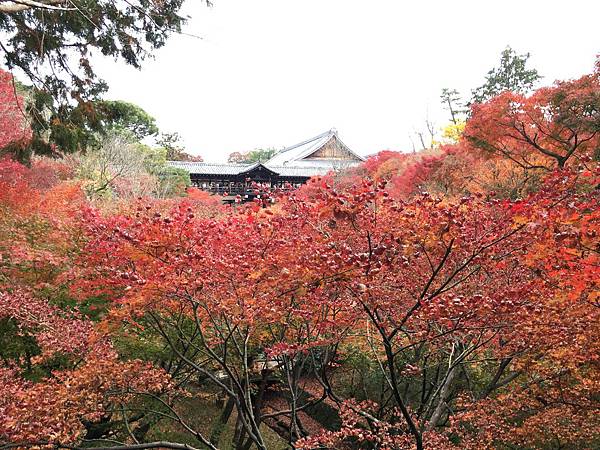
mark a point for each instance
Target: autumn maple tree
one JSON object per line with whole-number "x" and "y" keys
{"x": 441, "y": 300}
{"x": 439, "y": 293}
{"x": 546, "y": 129}
{"x": 62, "y": 378}
{"x": 14, "y": 126}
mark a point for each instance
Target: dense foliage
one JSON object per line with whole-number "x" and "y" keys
{"x": 446, "y": 299}
{"x": 14, "y": 124}
{"x": 55, "y": 45}
{"x": 511, "y": 75}
{"x": 253, "y": 156}
{"x": 52, "y": 41}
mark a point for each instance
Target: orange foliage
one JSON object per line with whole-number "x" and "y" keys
{"x": 467, "y": 279}
{"x": 14, "y": 126}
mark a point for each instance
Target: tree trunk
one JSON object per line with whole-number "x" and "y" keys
{"x": 442, "y": 406}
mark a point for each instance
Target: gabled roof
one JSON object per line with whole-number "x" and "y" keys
{"x": 297, "y": 153}
{"x": 221, "y": 169}
{"x": 311, "y": 169}
{"x": 256, "y": 167}
{"x": 290, "y": 162}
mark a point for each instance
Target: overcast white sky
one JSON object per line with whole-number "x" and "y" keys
{"x": 270, "y": 73}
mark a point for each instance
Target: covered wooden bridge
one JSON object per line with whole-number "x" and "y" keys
{"x": 293, "y": 166}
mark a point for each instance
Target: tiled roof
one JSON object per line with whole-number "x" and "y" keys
{"x": 312, "y": 168}
{"x": 236, "y": 169}
{"x": 288, "y": 162}
{"x": 291, "y": 171}
{"x": 295, "y": 153}
{"x": 210, "y": 168}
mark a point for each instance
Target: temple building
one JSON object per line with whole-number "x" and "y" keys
{"x": 293, "y": 165}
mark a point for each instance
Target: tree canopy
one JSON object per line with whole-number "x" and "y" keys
{"x": 256, "y": 155}
{"x": 53, "y": 41}
{"x": 444, "y": 299}
{"x": 511, "y": 75}
{"x": 120, "y": 115}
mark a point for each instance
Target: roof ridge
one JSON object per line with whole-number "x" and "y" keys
{"x": 332, "y": 134}
{"x": 210, "y": 163}
{"x": 322, "y": 135}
